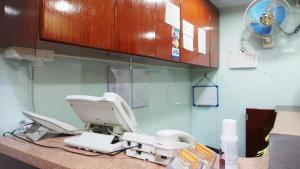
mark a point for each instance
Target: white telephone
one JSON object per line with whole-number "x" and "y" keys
{"x": 109, "y": 111}
{"x": 173, "y": 139}
{"x": 45, "y": 127}
{"x": 160, "y": 149}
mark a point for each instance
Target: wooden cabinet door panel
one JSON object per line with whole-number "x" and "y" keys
{"x": 135, "y": 27}
{"x": 189, "y": 13}
{"x": 197, "y": 13}
{"x": 163, "y": 32}
{"x": 97, "y": 20}
{"x": 214, "y": 40}
{"x": 126, "y": 26}
{"x": 19, "y": 26}
{"x": 147, "y": 28}
{"x": 87, "y": 23}
{"x": 203, "y": 22}
{"x": 202, "y": 14}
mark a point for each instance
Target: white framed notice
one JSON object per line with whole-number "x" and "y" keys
{"x": 172, "y": 14}
{"x": 202, "y": 41}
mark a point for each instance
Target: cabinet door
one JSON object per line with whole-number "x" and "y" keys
{"x": 203, "y": 22}
{"x": 259, "y": 123}
{"x": 195, "y": 12}
{"x": 19, "y": 25}
{"x": 214, "y": 40}
{"x": 135, "y": 27}
{"x": 87, "y": 23}
{"x": 163, "y": 31}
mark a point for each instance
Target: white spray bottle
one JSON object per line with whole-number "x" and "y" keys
{"x": 229, "y": 145}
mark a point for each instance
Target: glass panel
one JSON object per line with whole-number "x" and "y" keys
{"x": 169, "y": 91}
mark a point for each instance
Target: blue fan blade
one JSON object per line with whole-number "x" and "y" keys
{"x": 261, "y": 29}
{"x": 279, "y": 14}
{"x": 259, "y": 9}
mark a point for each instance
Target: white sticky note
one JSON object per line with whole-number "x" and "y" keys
{"x": 187, "y": 28}
{"x": 188, "y": 43}
{"x": 172, "y": 15}
{"x": 188, "y": 35}
{"x": 201, "y": 41}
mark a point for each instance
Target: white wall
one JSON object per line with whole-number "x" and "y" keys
{"x": 276, "y": 81}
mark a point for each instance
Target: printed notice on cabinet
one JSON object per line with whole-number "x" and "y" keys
{"x": 140, "y": 88}
{"x": 172, "y": 15}
{"x": 188, "y": 35}
{"x": 201, "y": 41}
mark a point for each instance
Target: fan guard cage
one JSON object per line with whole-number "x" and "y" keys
{"x": 275, "y": 28}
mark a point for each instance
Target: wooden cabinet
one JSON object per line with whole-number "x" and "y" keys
{"x": 87, "y": 23}
{"x": 214, "y": 39}
{"x": 203, "y": 22}
{"x": 190, "y": 12}
{"x": 19, "y": 26}
{"x": 135, "y": 27}
{"x": 163, "y": 32}
{"x": 199, "y": 14}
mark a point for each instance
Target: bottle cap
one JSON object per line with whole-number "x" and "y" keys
{"x": 229, "y": 127}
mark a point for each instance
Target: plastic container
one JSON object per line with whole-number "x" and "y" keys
{"x": 229, "y": 145}
{"x": 186, "y": 160}
{"x": 207, "y": 155}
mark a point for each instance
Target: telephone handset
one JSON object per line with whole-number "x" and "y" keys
{"x": 173, "y": 139}
{"x": 160, "y": 149}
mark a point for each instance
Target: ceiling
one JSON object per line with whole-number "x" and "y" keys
{"x": 230, "y": 3}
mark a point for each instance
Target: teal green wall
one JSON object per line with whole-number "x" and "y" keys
{"x": 14, "y": 93}
{"x": 169, "y": 91}
{"x": 276, "y": 81}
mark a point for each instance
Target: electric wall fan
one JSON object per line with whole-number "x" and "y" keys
{"x": 266, "y": 18}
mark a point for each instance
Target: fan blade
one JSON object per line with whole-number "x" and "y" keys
{"x": 259, "y": 9}
{"x": 279, "y": 14}
{"x": 261, "y": 29}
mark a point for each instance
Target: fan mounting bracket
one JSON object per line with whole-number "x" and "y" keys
{"x": 267, "y": 42}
